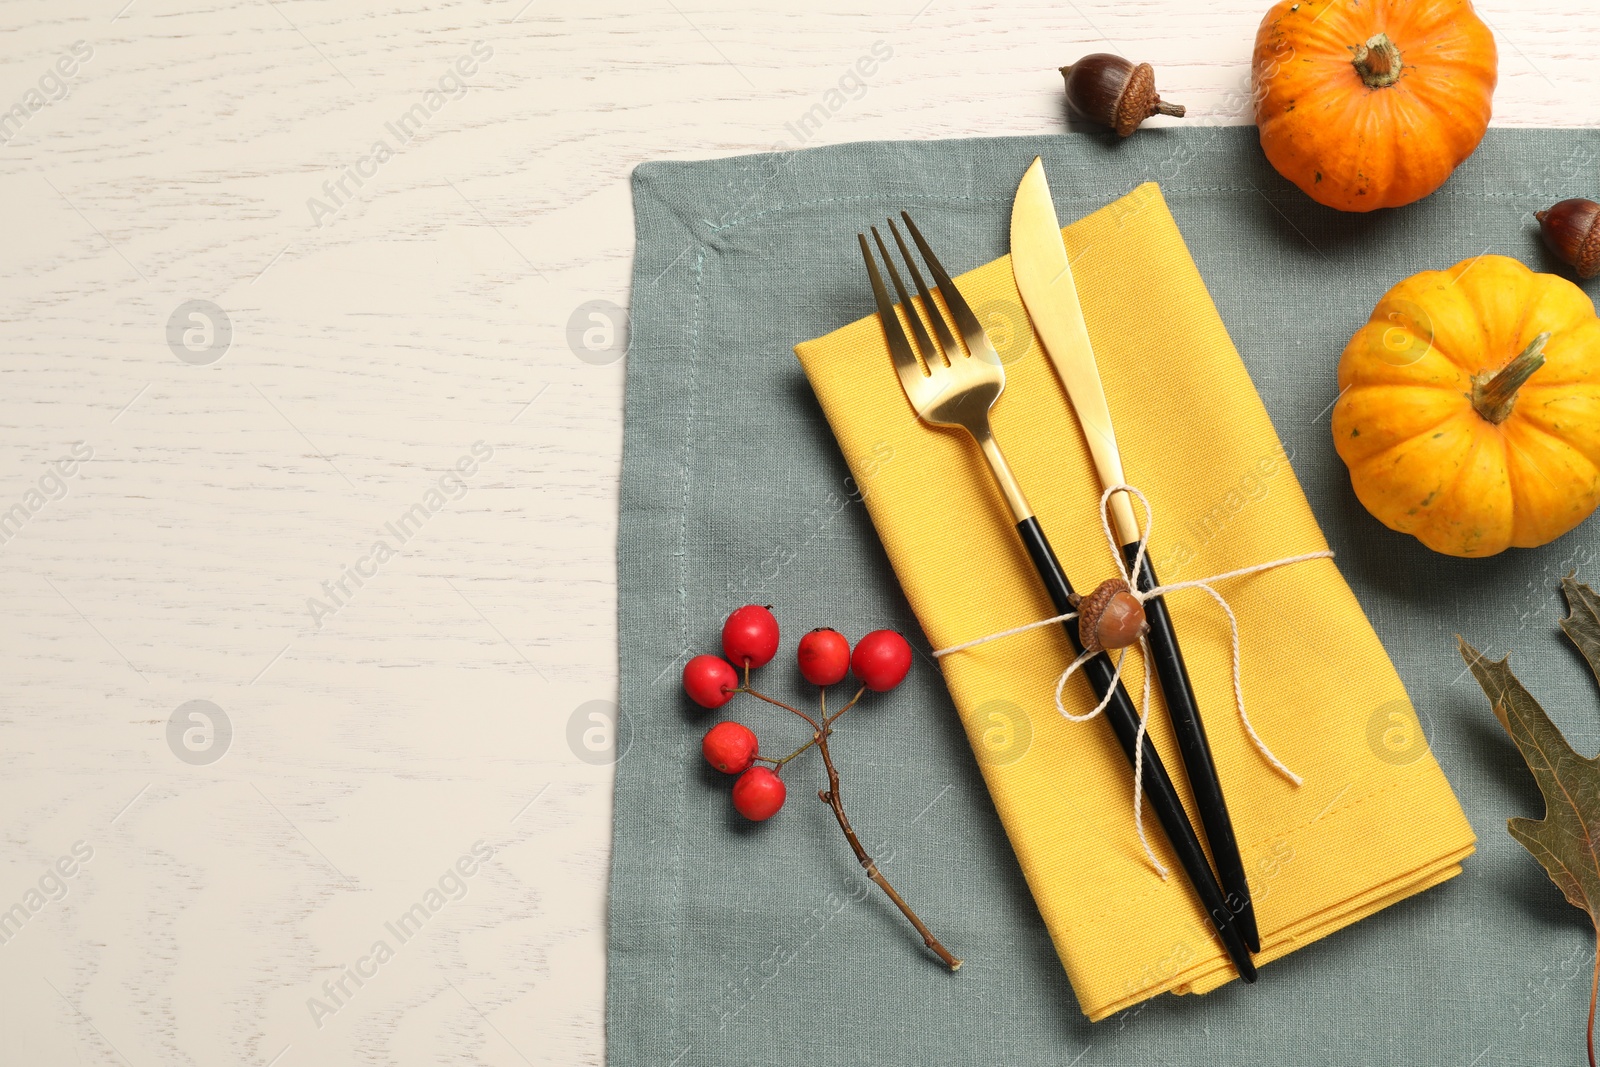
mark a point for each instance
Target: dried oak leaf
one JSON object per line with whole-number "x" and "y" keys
{"x": 1567, "y": 840}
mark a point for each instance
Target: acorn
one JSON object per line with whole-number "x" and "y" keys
{"x": 1571, "y": 232}
{"x": 1110, "y": 90}
{"x": 1110, "y": 617}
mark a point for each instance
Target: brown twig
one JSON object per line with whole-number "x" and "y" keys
{"x": 776, "y": 763}
{"x": 830, "y": 796}
{"x": 827, "y": 720}
{"x": 815, "y": 726}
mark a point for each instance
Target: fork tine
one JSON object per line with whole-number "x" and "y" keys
{"x": 971, "y": 328}
{"x": 947, "y": 340}
{"x": 924, "y": 342}
{"x": 905, "y": 360}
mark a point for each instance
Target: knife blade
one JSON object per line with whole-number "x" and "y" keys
{"x": 1044, "y": 277}
{"x": 1050, "y": 294}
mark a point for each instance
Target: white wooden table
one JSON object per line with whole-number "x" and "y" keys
{"x": 243, "y": 345}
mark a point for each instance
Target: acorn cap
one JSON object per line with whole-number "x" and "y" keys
{"x": 1139, "y": 99}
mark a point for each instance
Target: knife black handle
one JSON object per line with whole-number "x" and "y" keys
{"x": 1196, "y": 751}
{"x": 1159, "y": 791}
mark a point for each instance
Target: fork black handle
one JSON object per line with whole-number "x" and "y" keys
{"x": 1196, "y": 751}
{"x": 1159, "y": 791}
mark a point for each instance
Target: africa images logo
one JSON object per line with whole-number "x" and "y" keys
{"x": 53, "y": 886}
{"x": 53, "y": 86}
{"x": 451, "y": 886}
{"x": 452, "y": 485}
{"x": 405, "y": 129}
{"x": 52, "y": 486}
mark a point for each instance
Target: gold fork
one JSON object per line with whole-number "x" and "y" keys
{"x": 952, "y": 385}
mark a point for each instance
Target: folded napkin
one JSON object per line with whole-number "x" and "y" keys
{"x": 1375, "y": 820}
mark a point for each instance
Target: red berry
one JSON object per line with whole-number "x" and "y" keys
{"x": 881, "y": 660}
{"x": 824, "y": 656}
{"x": 758, "y": 794}
{"x": 750, "y": 636}
{"x": 709, "y": 681}
{"x": 730, "y": 747}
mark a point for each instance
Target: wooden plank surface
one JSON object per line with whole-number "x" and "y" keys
{"x": 283, "y": 280}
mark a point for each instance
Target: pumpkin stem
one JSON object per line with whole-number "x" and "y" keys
{"x": 1494, "y": 393}
{"x": 1377, "y": 61}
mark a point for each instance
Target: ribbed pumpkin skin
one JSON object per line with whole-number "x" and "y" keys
{"x": 1356, "y": 148}
{"x": 1422, "y": 459}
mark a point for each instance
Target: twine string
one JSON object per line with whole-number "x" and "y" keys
{"x": 1144, "y": 646}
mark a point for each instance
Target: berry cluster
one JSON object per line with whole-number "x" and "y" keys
{"x": 750, "y": 637}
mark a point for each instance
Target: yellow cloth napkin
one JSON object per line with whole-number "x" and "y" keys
{"x": 1374, "y": 822}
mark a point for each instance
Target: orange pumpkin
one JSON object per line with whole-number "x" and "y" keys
{"x": 1469, "y": 408}
{"x": 1371, "y": 104}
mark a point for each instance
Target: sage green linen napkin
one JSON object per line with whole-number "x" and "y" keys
{"x": 732, "y": 943}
